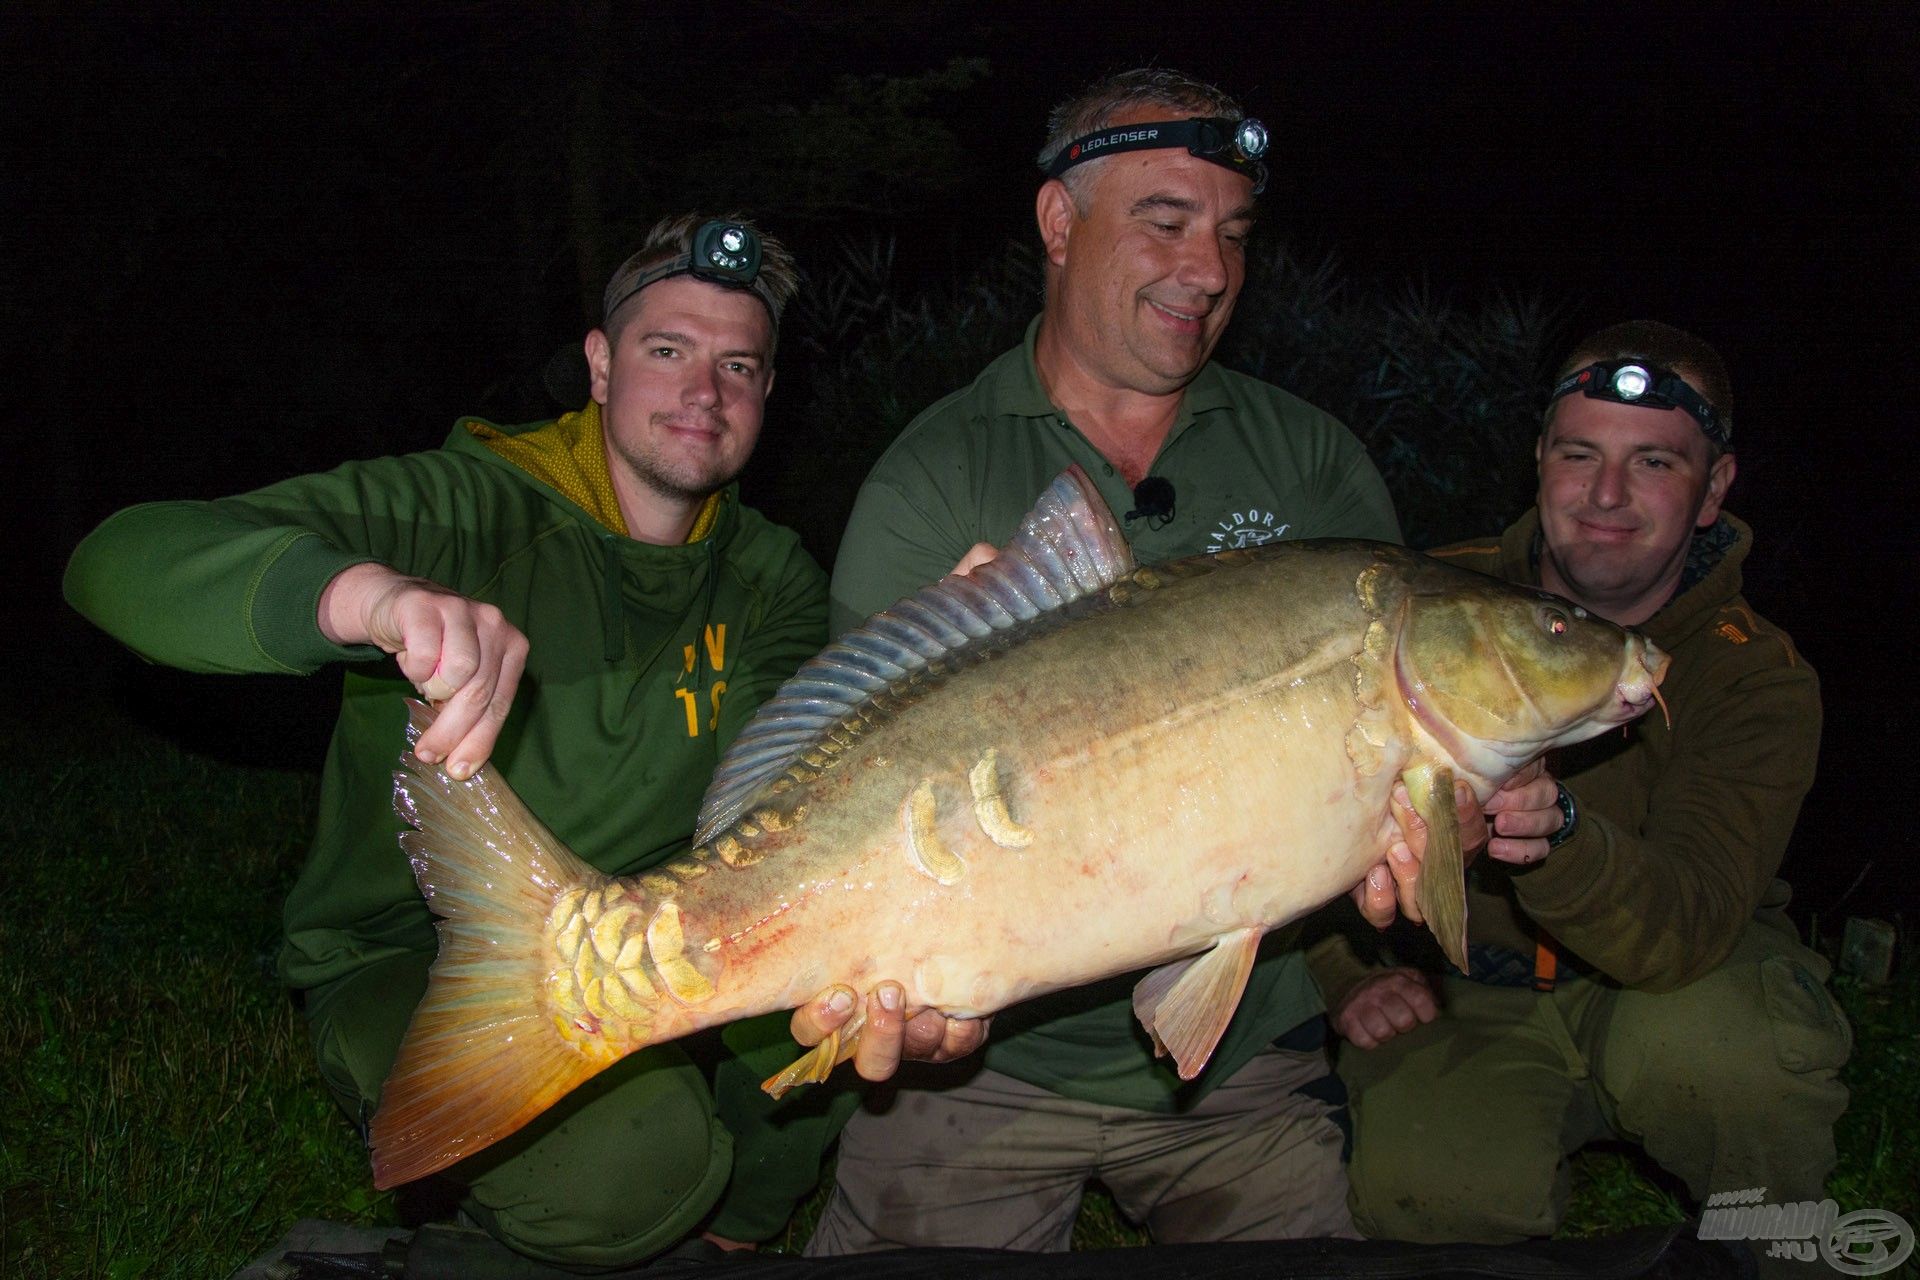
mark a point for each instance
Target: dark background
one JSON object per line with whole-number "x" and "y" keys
{"x": 245, "y": 244}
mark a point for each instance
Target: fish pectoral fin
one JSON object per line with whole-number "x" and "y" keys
{"x": 817, "y": 1063}
{"x": 1443, "y": 874}
{"x": 1185, "y": 1006}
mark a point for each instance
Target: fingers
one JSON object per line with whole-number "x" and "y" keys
{"x": 977, "y": 554}
{"x": 1523, "y": 797}
{"x": 1415, "y": 1000}
{"x": 467, "y": 659}
{"x": 1524, "y": 813}
{"x": 1474, "y": 829}
{"x": 825, "y": 1013}
{"x": 1412, "y": 825}
{"x": 1517, "y": 853}
{"x": 485, "y": 700}
{"x": 1374, "y": 895}
{"x": 891, "y": 1035}
{"x": 1403, "y": 856}
{"x": 1406, "y": 870}
{"x": 1385, "y": 1005}
{"x": 883, "y": 1039}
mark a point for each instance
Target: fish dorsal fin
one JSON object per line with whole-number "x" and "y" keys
{"x": 1069, "y": 546}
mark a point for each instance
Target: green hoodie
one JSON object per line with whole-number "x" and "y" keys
{"x": 645, "y": 660}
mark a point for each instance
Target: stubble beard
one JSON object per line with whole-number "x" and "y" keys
{"x": 676, "y": 480}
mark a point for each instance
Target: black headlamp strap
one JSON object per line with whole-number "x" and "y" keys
{"x": 1209, "y": 137}
{"x": 684, "y": 265}
{"x": 1661, "y": 388}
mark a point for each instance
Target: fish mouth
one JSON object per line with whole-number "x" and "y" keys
{"x": 1639, "y": 689}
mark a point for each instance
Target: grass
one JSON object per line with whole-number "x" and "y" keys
{"x": 159, "y": 1110}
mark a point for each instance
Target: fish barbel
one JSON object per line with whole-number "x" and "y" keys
{"x": 1057, "y": 769}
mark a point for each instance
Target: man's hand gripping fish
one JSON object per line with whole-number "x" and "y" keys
{"x": 1054, "y": 770}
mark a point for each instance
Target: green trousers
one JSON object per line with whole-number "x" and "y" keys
{"x": 1462, "y": 1127}
{"x": 622, "y": 1168}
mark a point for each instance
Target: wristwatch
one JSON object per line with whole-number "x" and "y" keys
{"x": 1569, "y": 818}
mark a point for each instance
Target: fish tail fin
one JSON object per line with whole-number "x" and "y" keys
{"x": 1442, "y": 894}
{"x": 484, "y": 1053}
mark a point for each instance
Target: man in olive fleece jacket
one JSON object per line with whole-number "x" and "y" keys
{"x": 608, "y": 556}
{"x": 1633, "y": 973}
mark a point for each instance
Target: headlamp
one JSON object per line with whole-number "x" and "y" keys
{"x": 1640, "y": 382}
{"x": 724, "y": 253}
{"x": 1234, "y": 144}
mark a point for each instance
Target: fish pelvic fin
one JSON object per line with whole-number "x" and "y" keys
{"x": 815, "y": 1065}
{"x": 1069, "y": 547}
{"x": 1442, "y": 894}
{"x": 1186, "y": 1006}
{"x": 484, "y": 1053}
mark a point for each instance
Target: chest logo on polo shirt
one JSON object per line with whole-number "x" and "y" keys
{"x": 1249, "y": 528}
{"x": 715, "y": 642}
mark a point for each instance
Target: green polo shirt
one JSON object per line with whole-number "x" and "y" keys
{"x": 1248, "y": 464}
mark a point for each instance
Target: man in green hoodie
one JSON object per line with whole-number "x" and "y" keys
{"x": 1634, "y": 974}
{"x": 594, "y": 611}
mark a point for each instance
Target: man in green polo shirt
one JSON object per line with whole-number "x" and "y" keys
{"x": 1151, "y": 179}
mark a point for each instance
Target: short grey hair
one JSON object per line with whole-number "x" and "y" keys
{"x": 670, "y": 237}
{"x": 1095, "y": 107}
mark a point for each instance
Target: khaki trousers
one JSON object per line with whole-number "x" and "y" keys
{"x": 995, "y": 1162}
{"x": 1462, "y": 1127}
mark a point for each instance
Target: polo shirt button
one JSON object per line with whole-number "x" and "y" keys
{"x": 1109, "y": 468}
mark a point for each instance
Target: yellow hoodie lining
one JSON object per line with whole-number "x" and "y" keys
{"x": 569, "y": 456}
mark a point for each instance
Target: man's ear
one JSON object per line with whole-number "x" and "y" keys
{"x": 1719, "y": 480}
{"x": 599, "y": 363}
{"x": 1053, "y": 210}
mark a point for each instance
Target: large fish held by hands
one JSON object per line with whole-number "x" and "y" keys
{"x": 1057, "y": 769}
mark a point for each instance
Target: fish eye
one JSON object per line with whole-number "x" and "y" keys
{"x": 1554, "y": 622}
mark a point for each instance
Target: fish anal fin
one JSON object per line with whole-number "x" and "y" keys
{"x": 815, "y": 1065}
{"x": 1185, "y": 1006}
{"x": 1442, "y": 894}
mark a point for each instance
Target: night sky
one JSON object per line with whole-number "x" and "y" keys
{"x": 244, "y": 246}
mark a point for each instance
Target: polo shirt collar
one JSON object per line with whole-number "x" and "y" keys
{"x": 1015, "y": 387}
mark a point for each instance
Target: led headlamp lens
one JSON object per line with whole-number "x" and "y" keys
{"x": 728, "y": 251}
{"x": 1630, "y": 382}
{"x": 1250, "y": 139}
